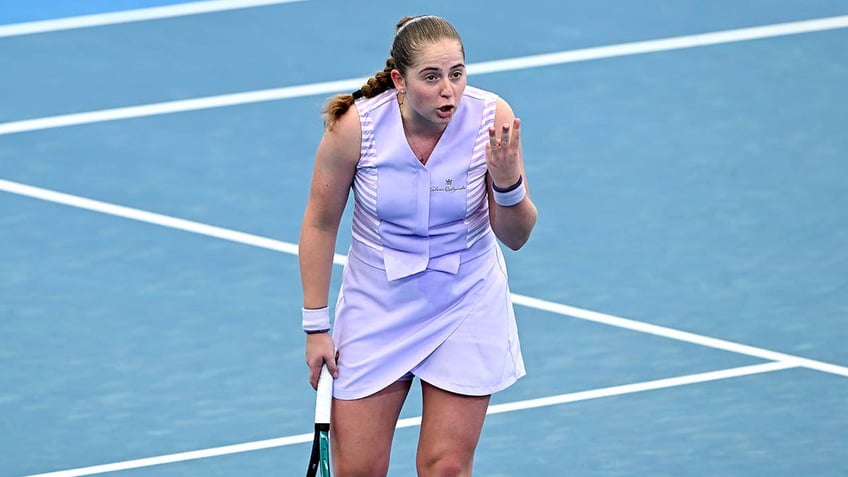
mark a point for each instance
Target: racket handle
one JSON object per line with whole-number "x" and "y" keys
{"x": 324, "y": 398}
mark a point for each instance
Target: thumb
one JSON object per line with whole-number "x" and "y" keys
{"x": 332, "y": 365}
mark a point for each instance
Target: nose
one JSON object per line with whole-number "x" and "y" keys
{"x": 447, "y": 88}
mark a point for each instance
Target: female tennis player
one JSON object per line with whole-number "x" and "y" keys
{"x": 438, "y": 179}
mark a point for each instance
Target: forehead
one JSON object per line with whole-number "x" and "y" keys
{"x": 445, "y": 53}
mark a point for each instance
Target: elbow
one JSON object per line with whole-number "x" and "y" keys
{"x": 515, "y": 247}
{"x": 515, "y": 243}
{"x": 515, "y": 238}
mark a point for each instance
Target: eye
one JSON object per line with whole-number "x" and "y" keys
{"x": 431, "y": 78}
{"x": 456, "y": 74}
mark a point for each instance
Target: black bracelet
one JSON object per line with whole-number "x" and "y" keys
{"x": 315, "y": 332}
{"x": 510, "y": 188}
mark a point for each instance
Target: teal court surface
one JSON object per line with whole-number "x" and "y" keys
{"x": 682, "y": 304}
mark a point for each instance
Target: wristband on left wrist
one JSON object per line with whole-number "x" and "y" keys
{"x": 509, "y": 196}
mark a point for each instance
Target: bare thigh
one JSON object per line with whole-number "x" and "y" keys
{"x": 362, "y": 431}
{"x": 450, "y": 428}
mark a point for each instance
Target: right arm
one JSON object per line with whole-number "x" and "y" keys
{"x": 332, "y": 176}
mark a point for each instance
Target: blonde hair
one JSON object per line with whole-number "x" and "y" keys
{"x": 411, "y": 35}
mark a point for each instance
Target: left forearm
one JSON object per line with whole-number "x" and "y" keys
{"x": 512, "y": 225}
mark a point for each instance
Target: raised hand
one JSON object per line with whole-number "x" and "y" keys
{"x": 503, "y": 154}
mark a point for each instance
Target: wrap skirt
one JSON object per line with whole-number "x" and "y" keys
{"x": 456, "y": 331}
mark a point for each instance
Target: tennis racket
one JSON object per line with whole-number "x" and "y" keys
{"x": 319, "y": 461}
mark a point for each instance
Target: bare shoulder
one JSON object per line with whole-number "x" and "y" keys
{"x": 342, "y": 143}
{"x": 503, "y": 112}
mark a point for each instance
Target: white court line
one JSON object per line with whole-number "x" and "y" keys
{"x": 416, "y": 421}
{"x": 338, "y": 259}
{"x": 535, "y": 61}
{"x": 127, "y": 16}
{"x": 639, "y": 387}
{"x": 153, "y": 218}
{"x": 180, "y": 457}
{"x": 184, "y": 105}
{"x": 677, "y": 335}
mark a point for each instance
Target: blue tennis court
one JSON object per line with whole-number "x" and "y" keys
{"x": 682, "y": 304}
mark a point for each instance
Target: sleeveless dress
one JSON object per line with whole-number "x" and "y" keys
{"x": 424, "y": 290}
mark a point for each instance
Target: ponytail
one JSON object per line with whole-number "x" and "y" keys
{"x": 340, "y": 103}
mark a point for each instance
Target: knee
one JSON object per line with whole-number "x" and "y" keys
{"x": 444, "y": 466}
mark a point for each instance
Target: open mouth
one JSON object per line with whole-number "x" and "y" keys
{"x": 446, "y": 109}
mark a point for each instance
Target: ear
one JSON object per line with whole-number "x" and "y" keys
{"x": 397, "y": 79}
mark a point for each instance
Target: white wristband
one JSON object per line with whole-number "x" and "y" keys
{"x": 316, "y": 320}
{"x": 508, "y": 199}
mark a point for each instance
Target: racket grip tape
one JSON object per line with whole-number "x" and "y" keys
{"x": 323, "y": 399}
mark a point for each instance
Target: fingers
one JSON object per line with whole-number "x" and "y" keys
{"x": 516, "y": 130}
{"x": 510, "y": 134}
{"x": 333, "y": 367}
{"x": 320, "y": 351}
{"x": 505, "y": 136}
{"x": 314, "y": 372}
{"x": 493, "y": 141}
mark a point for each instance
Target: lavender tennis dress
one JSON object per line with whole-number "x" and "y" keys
{"x": 425, "y": 287}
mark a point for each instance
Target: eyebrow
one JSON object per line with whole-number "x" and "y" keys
{"x": 433, "y": 68}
